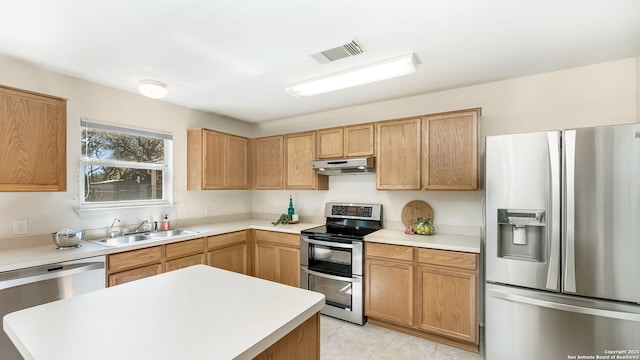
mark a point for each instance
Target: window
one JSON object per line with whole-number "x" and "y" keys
{"x": 123, "y": 166}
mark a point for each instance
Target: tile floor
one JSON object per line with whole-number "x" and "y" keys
{"x": 340, "y": 340}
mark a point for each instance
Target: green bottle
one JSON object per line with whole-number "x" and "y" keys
{"x": 290, "y": 210}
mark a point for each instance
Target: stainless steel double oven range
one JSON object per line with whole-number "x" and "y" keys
{"x": 332, "y": 258}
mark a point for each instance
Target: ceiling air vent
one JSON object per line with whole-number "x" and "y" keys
{"x": 352, "y": 48}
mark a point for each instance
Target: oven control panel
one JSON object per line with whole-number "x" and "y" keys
{"x": 360, "y": 211}
{"x": 354, "y": 211}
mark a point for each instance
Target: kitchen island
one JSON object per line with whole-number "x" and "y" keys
{"x": 198, "y": 312}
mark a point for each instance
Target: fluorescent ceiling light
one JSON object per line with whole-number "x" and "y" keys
{"x": 400, "y": 66}
{"x": 152, "y": 88}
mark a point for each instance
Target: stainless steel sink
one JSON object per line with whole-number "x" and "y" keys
{"x": 142, "y": 237}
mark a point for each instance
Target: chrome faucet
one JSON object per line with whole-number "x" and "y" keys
{"x": 137, "y": 228}
{"x": 112, "y": 233}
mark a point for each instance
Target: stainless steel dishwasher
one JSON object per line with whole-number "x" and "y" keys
{"x": 20, "y": 289}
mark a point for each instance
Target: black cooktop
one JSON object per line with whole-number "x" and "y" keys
{"x": 344, "y": 228}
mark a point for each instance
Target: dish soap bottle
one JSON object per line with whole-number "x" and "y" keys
{"x": 290, "y": 210}
{"x": 166, "y": 225}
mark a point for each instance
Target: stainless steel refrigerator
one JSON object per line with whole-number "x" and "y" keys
{"x": 562, "y": 244}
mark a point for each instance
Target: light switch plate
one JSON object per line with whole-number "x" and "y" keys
{"x": 20, "y": 226}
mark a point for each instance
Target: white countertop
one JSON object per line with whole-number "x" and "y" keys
{"x": 198, "y": 312}
{"x": 465, "y": 243}
{"x": 48, "y": 254}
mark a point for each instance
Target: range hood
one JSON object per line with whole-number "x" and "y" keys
{"x": 354, "y": 166}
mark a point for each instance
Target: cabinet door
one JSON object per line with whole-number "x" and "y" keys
{"x": 133, "y": 259}
{"x": 184, "y": 262}
{"x": 214, "y": 160}
{"x": 268, "y": 163}
{"x": 33, "y": 135}
{"x": 398, "y": 160}
{"x": 389, "y": 291}
{"x": 451, "y": 151}
{"x": 134, "y": 274}
{"x": 232, "y": 258}
{"x": 330, "y": 143}
{"x": 448, "y": 305}
{"x": 300, "y": 150}
{"x": 359, "y": 140}
{"x": 237, "y": 163}
{"x": 288, "y": 261}
{"x": 265, "y": 261}
{"x": 184, "y": 248}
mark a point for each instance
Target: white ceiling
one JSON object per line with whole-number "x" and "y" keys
{"x": 235, "y": 57}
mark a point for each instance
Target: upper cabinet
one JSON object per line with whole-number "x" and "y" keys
{"x": 300, "y": 150}
{"x": 216, "y": 160}
{"x": 450, "y": 150}
{"x": 330, "y": 143}
{"x": 33, "y": 141}
{"x": 359, "y": 140}
{"x": 348, "y": 141}
{"x": 268, "y": 163}
{"x": 398, "y": 164}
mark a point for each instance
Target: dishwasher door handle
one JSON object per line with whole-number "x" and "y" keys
{"x": 53, "y": 274}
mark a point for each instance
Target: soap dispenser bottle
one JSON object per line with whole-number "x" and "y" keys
{"x": 165, "y": 223}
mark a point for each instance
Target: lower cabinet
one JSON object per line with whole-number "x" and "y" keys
{"x": 138, "y": 264}
{"x": 133, "y": 265}
{"x": 229, "y": 252}
{"x": 277, "y": 257}
{"x": 424, "y": 292}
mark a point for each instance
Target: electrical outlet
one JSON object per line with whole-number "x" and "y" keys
{"x": 20, "y": 226}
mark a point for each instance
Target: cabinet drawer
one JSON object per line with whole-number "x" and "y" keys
{"x": 223, "y": 240}
{"x": 456, "y": 259}
{"x": 389, "y": 251}
{"x": 134, "y": 274}
{"x": 134, "y": 259}
{"x": 184, "y": 248}
{"x": 278, "y": 238}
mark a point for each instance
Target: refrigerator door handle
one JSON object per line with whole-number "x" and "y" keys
{"x": 504, "y": 295}
{"x": 569, "y": 283}
{"x": 553, "y": 141}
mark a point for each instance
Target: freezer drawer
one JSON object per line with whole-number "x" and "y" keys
{"x": 527, "y": 325}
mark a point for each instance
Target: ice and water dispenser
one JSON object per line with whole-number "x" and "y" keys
{"x": 521, "y": 234}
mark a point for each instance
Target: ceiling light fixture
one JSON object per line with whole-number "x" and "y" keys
{"x": 152, "y": 88}
{"x": 400, "y": 66}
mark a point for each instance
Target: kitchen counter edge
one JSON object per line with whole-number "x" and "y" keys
{"x": 453, "y": 242}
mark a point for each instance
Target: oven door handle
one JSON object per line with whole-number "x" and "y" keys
{"x": 330, "y": 277}
{"x": 327, "y": 243}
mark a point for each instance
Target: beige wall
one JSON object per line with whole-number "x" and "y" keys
{"x": 578, "y": 97}
{"x": 592, "y": 95}
{"x": 48, "y": 212}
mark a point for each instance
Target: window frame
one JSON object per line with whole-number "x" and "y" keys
{"x": 166, "y": 167}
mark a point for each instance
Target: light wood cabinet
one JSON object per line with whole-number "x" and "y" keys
{"x": 348, "y": 141}
{"x": 389, "y": 291}
{"x": 268, "y": 163}
{"x": 359, "y": 140}
{"x": 300, "y": 150}
{"x": 137, "y": 264}
{"x": 398, "y": 165}
{"x": 330, "y": 143}
{"x": 229, "y": 252}
{"x": 302, "y": 342}
{"x": 216, "y": 160}
{"x": 184, "y": 253}
{"x": 277, "y": 257}
{"x": 33, "y": 135}
{"x": 450, "y": 150}
{"x": 425, "y": 292}
{"x": 133, "y": 274}
{"x": 133, "y": 265}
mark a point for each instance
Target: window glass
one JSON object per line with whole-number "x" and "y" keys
{"x": 121, "y": 164}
